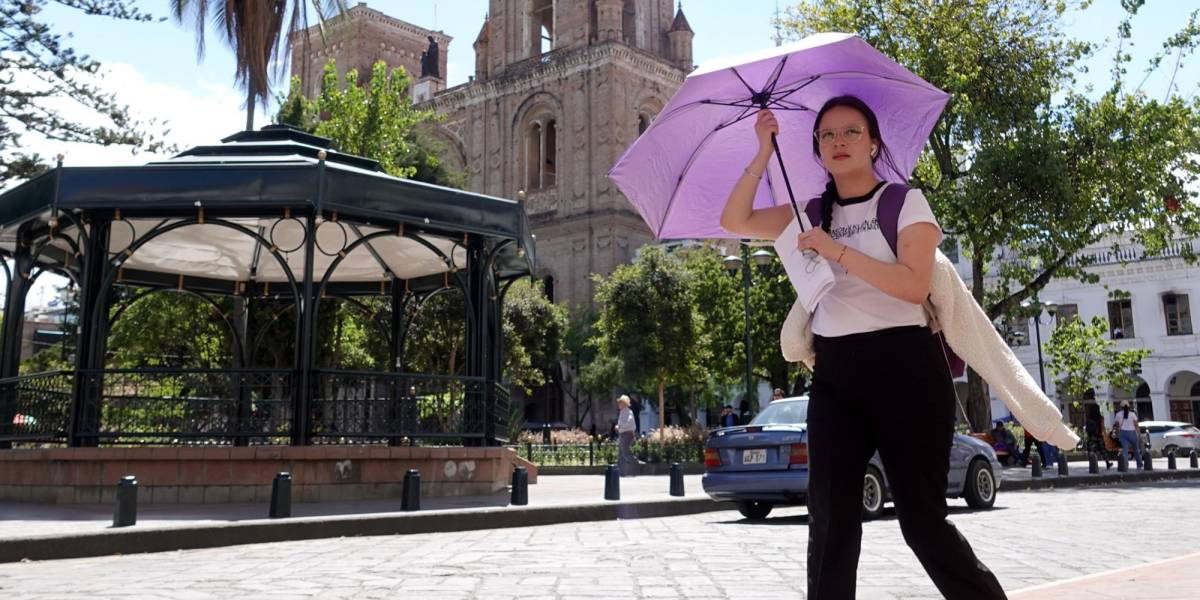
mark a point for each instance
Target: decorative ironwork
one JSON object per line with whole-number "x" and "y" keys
{"x": 37, "y": 407}
{"x": 359, "y": 406}
{"x": 190, "y": 405}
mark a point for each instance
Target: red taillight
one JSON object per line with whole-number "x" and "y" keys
{"x": 712, "y": 458}
{"x": 798, "y": 454}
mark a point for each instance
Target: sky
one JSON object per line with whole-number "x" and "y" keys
{"x": 154, "y": 68}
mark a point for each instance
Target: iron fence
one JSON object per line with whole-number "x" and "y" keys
{"x": 361, "y": 406}
{"x": 36, "y": 407}
{"x": 188, "y": 406}
{"x": 604, "y": 451}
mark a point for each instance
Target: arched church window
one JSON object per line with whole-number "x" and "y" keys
{"x": 643, "y": 123}
{"x": 541, "y": 154}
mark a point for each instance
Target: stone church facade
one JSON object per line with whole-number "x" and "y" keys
{"x": 560, "y": 90}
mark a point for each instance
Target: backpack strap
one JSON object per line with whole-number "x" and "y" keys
{"x": 813, "y": 211}
{"x": 888, "y": 212}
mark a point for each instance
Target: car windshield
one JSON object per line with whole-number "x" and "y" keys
{"x": 783, "y": 413}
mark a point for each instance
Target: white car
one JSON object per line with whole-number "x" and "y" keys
{"x": 1171, "y": 435}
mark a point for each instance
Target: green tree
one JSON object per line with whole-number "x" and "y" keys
{"x": 376, "y": 120}
{"x": 535, "y": 330}
{"x": 39, "y": 70}
{"x": 1080, "y": 355}
{"x": 647, "y": 320}
{"x": 1023, "y": 167}
{"x": 255, "y": 32}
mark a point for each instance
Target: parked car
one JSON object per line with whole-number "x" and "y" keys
{"x": 1171, "y": 435}
{"x": 765, "y": 463}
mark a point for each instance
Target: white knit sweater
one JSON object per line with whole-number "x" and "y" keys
{"x": 971, "y": 334}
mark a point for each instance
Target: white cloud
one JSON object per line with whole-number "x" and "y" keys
{"x": 189, "y": 117}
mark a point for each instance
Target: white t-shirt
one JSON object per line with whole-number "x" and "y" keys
{"x": 853, "y": 305}
{"x": 1129, "y": 424}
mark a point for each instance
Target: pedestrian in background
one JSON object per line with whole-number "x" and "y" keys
{"x": 1127, "y": 429}
{"x": 728, "y": 419}
{"x": 777, "y": 395}
{"x": 626, "y": 462}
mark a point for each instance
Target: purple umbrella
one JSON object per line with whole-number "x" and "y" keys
{"x": 679, "y": 173}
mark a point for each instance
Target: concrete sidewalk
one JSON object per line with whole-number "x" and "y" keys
{"x": 50, "y": 532}
{"x": 1172, "y": 579}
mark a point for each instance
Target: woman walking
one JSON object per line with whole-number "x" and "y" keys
{"x": 877, "y": 363}
{"x": 1127, "y": 428}
{"x": 626, "y": 427}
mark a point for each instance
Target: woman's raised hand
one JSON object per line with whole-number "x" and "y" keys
{"x": 765, "y": 125}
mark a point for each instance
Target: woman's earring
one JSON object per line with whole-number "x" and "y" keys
{"x": 874, "y": 151}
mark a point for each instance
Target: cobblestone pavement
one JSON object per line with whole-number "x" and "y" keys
{"x": 1030, "y": 538}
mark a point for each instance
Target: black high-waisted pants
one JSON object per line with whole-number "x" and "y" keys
{"x": 890, "y": 391}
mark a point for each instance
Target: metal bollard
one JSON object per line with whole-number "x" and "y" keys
{"x": 591, "y": 453}
{"x": 612, "y": 483}
{"x": 281, "y": 496}
{"x": 1093, "y": 463}
{"x": 1122, "y": 462}
{"x": 411, "y": 500}
{"x": 125, "y": 510}
{"x": 1194, "y": 459}
{"x": 520, "y": 486}
{"x": 1036, "y": 469}
{"x": 1063, "y": 469}
{"x": 546, "y": 434}
{"x": 1147, "y": 461}
{"x": 676, "y": 479}
{"x": 1171, "y": 461}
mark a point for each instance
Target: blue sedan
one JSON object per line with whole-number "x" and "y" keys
{"x": 765, "y": 463}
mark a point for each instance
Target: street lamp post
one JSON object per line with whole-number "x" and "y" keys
{"x": 733, "y": 263}
{"x": 1051, "y": 308}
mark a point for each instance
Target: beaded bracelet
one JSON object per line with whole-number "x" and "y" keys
{"x": 839, "y": 258}
{"x": 747, "y": 171}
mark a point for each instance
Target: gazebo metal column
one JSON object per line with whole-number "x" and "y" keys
{"x": 90, "y": 342}
{"x": 14, "y": 322}
{"x": 478, "y": 298}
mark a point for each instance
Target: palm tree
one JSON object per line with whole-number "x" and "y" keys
{"x": 254, "y": 30}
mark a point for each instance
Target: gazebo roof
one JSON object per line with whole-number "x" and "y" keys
{"x": 262, "y": 181}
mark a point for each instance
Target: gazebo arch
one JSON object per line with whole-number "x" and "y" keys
{"x": 266, "y": 218}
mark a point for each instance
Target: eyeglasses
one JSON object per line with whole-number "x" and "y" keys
{"x": 826, "y": 137}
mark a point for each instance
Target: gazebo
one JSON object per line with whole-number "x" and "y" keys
{"x": 276, "y": 213}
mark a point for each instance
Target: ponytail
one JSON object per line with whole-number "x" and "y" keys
{"x": 828, "y": 197}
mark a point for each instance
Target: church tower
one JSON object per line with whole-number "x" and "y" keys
{"x": 560, "y": 90}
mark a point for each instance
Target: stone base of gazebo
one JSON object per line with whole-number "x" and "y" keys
{"x": 244, "y": 474}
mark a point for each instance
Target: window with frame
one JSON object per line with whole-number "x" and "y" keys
{"x": 1067, "y": 313}
{"x": 1178, "y": 314}
{"x": 541, "y": 154}
{"x": 541, "y": 27}
{"x": 1120, "y": 319}
{"x": 949, "y": 247}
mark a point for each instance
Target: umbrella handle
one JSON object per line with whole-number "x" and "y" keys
{"x": 786, "y": 182}
{"x": 809, "y": 253}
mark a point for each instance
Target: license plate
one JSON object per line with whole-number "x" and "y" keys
{"x": 754, "y": 457}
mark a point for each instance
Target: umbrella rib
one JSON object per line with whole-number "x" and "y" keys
{"x": 774, "y": 80}
{"x": 687, "y": 167}
{"x": 740, "y": 78}
{"x": 797, "y": 88}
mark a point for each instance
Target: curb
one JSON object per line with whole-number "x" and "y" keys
{"x": 1131, "y": 476}
{"x": 134, "y": 541}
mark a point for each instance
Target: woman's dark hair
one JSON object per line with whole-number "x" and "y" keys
{"x": 830, "y": 195}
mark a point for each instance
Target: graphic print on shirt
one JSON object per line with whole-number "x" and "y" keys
{"x": 838, "y": 233}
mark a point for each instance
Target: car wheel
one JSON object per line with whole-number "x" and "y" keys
{"x": 754, "y": 510}
{"x": 980, "y": 487}
{"x": 873, "y": 494}
{"x": 1171, "y": 448}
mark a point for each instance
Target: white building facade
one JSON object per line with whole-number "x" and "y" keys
{"x": 1156, "y": 315}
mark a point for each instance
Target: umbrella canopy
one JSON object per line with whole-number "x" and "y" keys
{"x": 679, "y": 173}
